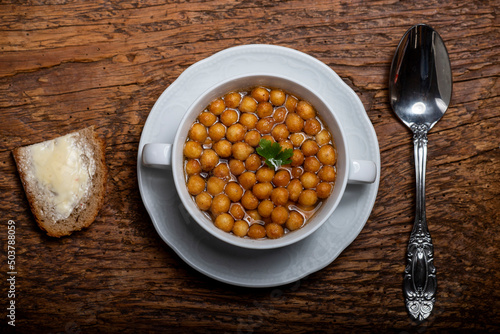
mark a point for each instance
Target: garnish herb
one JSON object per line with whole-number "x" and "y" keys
{"x": 274, "y": 154}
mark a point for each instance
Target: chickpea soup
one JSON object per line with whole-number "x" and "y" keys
{"x": 259, "y": 162}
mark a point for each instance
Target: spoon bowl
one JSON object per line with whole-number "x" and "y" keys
{"x": 420, "y": 77}
{"x": 420, "y": 85}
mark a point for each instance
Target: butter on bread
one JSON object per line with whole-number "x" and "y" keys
{"x": 64, "y": 180}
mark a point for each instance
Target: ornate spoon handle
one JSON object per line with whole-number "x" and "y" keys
{"x": 419, "y": 286}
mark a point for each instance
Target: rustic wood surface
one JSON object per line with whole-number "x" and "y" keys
{"x": 69, "y": 64}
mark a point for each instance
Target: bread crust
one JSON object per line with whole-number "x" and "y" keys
{"x": 86, "y": 211}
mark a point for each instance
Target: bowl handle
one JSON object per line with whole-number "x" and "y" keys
{"x": 157, "y": 155}
{"x": 362, "y": 171}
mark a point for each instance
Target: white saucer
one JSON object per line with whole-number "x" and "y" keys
{"x": 231, "y": 264}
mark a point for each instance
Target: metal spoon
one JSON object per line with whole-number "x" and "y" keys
{"x": 420, "y": 85}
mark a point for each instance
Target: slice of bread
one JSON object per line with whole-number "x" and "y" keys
{"x": 64, "y": 180}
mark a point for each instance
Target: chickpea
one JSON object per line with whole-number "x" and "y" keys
{"x": 311, "y": 164}
{"x": 252, "y": 138}
{"x": 309, "y": 180}
{"x": 253, "y": 162}
{"x": 265, "y": 125}
{"x": 215, "y": 185}
{"x": 309, "y": 148}
{"x": 254, "y": 215}
{"x": 242, "y": 150}
{"x": 260, "y": 94}
{"x": 280, "y": 132}
{"x": 277, "y": 97}
{"x": 237, "y": 211}
{"x": 204, "y": 201}
{"x": 262, "y": 190}
{"x": 295, "y": 221}
{"x": 208, "y": 142}
{"x": 291, "y": 103}
{"x": 229, "y": 117}
{"x": 305, "y": 110}
{"x": 281, "y": 178}
{"x": 217, "y": 106}
{"x": 327, "y": 173}
{"x": 279, "y": 196}
{"x": 235, "y": 133}
{"x": 256, "y": 231}
{"x": 308, "y": 197}
{"x": 240, "y": 228}
{"x": 232, "y": 100}
{"x": 248, "y": 120}
{"x": 237, "y": 167}
{"x": 286, "y": 144}
{"x": 249, "y": 201}
{"x": 209, "y": 159}
{"x": 225, "y": 222}
{"x": 294, "y": 189}
{"x": 323, "y": 190}
{"x": 269, "y": 137}
{"x": 247, "y": 180}
{"x": 217, "y": 131}
{"x": 279, "y": 115}
{"x": 248, "y": 104}
{"x": 323, "y": 137}
{"x": 193, "y": 167}
{"x": 279, "y": 215}
{"x": 221, "y": 171}
{"x": 274, "y": 231}
{"x": 233, "y": 191}
{"x": 195, "y": 185}
{"x": 297, "y": 139}
{"x": 193, "y": 150}
{"x": 264, "y": 109}
{"x": 207, "y": 118}
{"x": 265, "y": 174}
{"x": 220, "y": 204}
{"x": 297, "y": 158}
{"x": 265, "y": 208}
{"x": 312, "y": 127}
{"x": 297, "y": 172}
{"x": 326, "y": 155}
{"x": 294, "y": 122}
{"x": 223, "y": 148}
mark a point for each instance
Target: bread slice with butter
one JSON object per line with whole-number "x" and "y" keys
{"x": 64, "y": 180}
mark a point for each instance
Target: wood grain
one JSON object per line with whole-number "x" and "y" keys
{"x": 65, "y": 65}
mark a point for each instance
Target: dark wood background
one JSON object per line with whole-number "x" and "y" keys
{"x": 69, "y": 64}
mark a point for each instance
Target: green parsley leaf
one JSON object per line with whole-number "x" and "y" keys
{"x": 274, "y": 154}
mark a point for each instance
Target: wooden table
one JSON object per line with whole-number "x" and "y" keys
{"x": 69, "y": 64}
